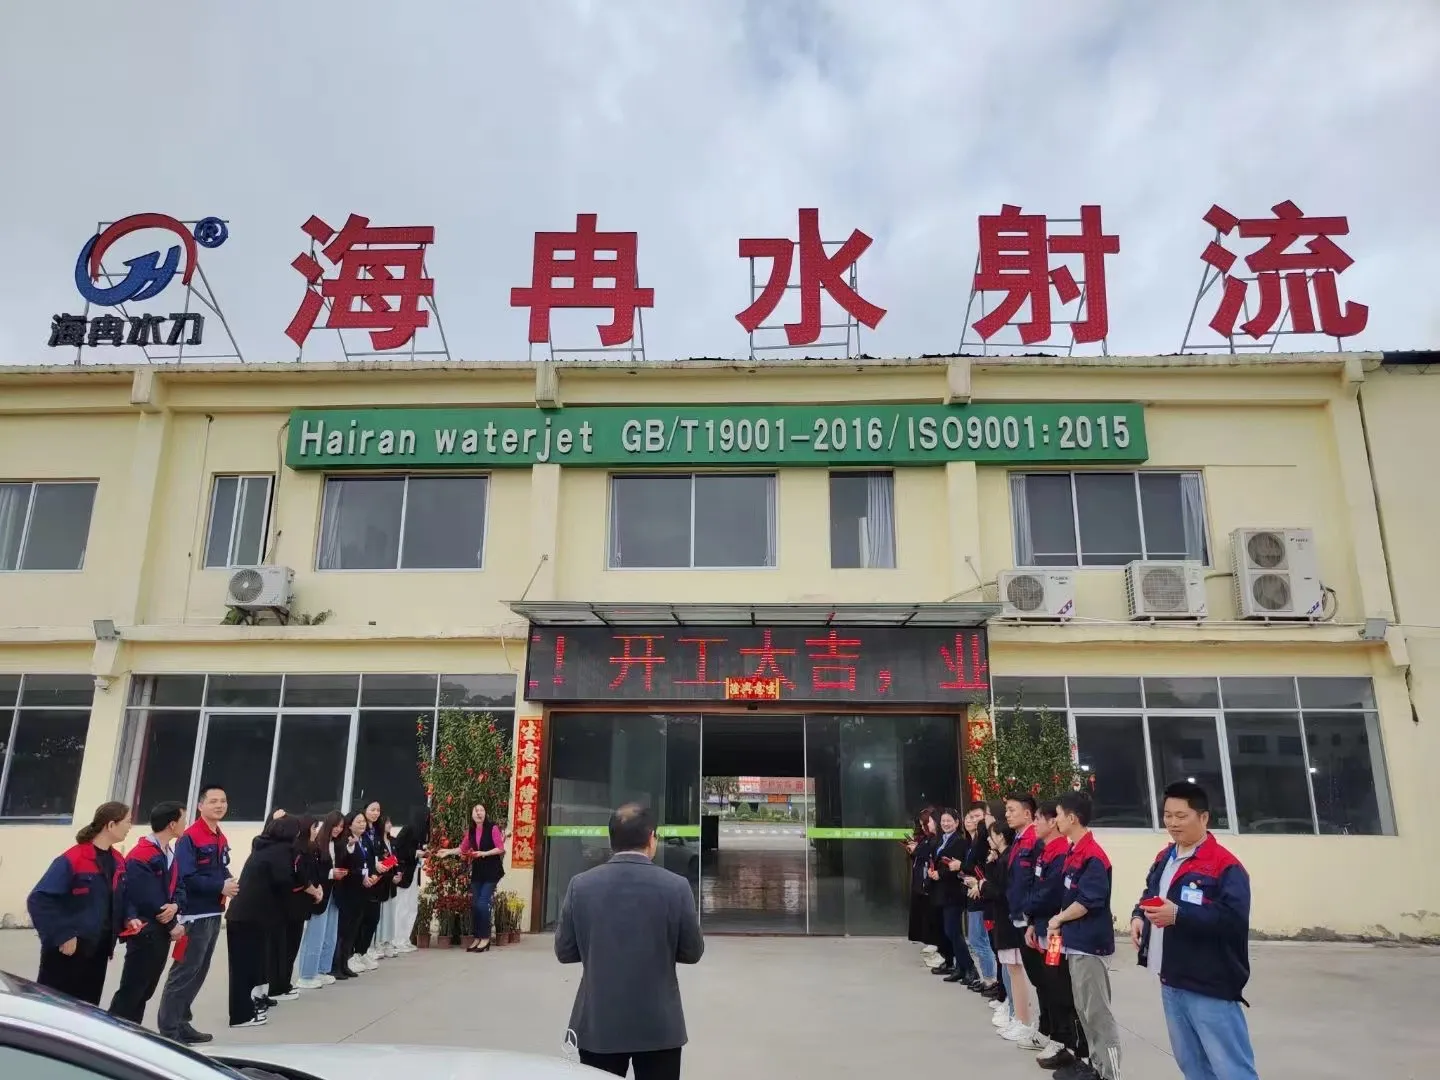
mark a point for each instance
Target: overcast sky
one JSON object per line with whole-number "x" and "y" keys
{"x": 696, "y": 124}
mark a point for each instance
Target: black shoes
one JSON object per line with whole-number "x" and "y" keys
{"x": 943, "y": 969}
{"x": 1076, "y": 1070}
{"x": 190, "y": 1037}
{"x": 955, "y": 977}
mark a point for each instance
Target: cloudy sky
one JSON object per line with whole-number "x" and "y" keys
{"x": 696, "y": 124}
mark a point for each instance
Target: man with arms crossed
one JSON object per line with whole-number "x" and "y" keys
{"x": 629, "y": 922}
{"x": 202, "y": 885}
{"x": 1192, "y": 927}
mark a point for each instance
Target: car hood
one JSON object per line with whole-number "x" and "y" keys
{"x": 364, "y": 1061}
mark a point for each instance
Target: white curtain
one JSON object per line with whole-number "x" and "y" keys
{"x": 1192, "y": 514}
{"x": 770, "y": 529}
{"x": 880, "y": 520}
{"x": 331, "y": 557}
{"x": 14, "y": 500}
{"x": 1020, "y": 511}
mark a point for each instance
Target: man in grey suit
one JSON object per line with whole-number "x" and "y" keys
{"x": 629, "y": 922}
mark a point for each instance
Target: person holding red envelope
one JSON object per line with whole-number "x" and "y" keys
{"x": 150, "y": 880}
{"x": 483, "y": 847}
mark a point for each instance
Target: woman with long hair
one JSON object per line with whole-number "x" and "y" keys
{"x": 483, "y": 847}
{"x": 973, "y": 868}
{"x": 920, "y": 847}
{"x": 385, "y": 946}
{"x": 306, "y": 895}
{"x": 78, "y": 907}
{"x": 317, "y": 944}
{"x": 351, "y": 873}
{"x": 374, "y": 845}
{"x": 948, "y": 892}
{"x": 1005, "y": 937}
{"x": 410, "y": 844}
{"x": 255, "y": 921}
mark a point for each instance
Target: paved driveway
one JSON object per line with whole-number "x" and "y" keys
{"x": 771, "y": 1007}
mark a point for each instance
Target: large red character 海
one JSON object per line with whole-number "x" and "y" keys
{"x": 576, "y": 256}
{"x": 1317, "y": 266}
{"x": 360, "y": 294}
{"x": 1015, "y": 252}
{"x": 819, "y": 273}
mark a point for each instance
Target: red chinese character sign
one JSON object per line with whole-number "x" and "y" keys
{"x": 524, "y": 821}
{"x": 874, "y": 664}
{"x": 821, "y": 273}
{"x": 584, "y": 259}
{"x": 379, "y": 284}
{"x": 1295, "y": 291}
{"x": 1015, "y": 262}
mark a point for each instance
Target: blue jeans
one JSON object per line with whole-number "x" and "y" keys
{"x": 481, "y": 895}
{"x": 1208, "y": 1036}
{"x": 980, "y": 945}
{"x": 1009, "y": 991}
{"x": 317, "y": 946}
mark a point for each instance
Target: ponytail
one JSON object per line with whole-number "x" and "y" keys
{"x": 105, "y": 814}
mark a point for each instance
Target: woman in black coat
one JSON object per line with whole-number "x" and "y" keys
{"x": 255, "y": 919}
{"x": 948, "y": 893}
{"x": 307, "y": 896}
{"x": 354, "y": 878}
{"x": 1005, "y": 937}
{"x": 920, "y": 847}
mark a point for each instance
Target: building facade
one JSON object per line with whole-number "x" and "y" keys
{"x": 663, "y": 577}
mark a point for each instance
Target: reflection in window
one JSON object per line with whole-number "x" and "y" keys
{"x": 1188, "y": 748}
{"x": 45, "y": 752}
{"x": 1347, "y": 771}
{"x": 238, "y": 751}
{"x": 706, "y": 520}
{"x": 1267, "y": 765}
{"x": 1111, "y": 752}
{"x": 166, "y": 757}
{"x": 310, "y": 763}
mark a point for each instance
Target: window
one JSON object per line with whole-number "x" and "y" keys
{"x": 305, "y": 743}
{"x": 45, "y": 526}
{"x": 704, "y": 520}
{"x": 1275, "y": 754}
{"x": 403, "y": 523}
{"x": 862, "y": 520}
{"x": 43, "y": 723}
{"x": 1107, "y": 518}
{"x": 239, "y": 518}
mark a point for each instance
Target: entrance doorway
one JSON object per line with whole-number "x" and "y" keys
{"x": 823, "y": 857}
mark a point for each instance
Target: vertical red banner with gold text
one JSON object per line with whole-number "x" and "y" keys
{"x": 527, "y": 794}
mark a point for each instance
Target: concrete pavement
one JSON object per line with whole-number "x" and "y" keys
{"x": 858, "y": 1007}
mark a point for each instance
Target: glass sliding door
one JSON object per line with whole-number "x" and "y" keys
{"x": 599, "y": 761}
{"x": 871, "y": 775}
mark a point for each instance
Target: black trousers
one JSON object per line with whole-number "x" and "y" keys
{"x": 81, "y": 976}
{"x": 1034, "y": 962}
{"x": 352, "y": 911}
{"x": 145, "y": 957}
{"x": 246, "y": 944}
{"x": 284, "y": 946}
{"x": 1053, "y": 985}
{"x": 369, "y": 923}
{"x": 649, "y": 1064}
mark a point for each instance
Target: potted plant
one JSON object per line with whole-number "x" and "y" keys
{"x": 502, "y": 919}
{"x": 423, "y": 915}
{"x": 515, "y": 907}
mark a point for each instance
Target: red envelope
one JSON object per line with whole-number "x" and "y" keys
{"x": 178, "y": 952}
{"x": 1153, "y": 902}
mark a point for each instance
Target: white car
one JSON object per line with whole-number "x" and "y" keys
{"x": 48, "y": 1036}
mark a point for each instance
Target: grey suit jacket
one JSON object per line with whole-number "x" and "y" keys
{"x": 629, "y": 922}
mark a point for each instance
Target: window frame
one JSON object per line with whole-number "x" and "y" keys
{"x": 1208, "y": 562}
{"x": 487, "y": 476}
{"x": 30, "y": 515}
{"x": 230, "y": 561}
{"x": 1380, "y": 770}
{"x": 10, "y": 720}
{"x": 650, "y": 474}
{"x": 830, "y": 477}
{"x": 135, "y": 727}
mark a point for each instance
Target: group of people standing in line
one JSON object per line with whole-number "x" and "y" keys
{"x": 319, "y": 900}
{"x": 1013, "y": 900}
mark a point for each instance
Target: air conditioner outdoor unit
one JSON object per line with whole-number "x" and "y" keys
{"x": 1037, "y": 594}
{"x": 1166, "y": 590}
{"x": 260, "y": 588}
{"x": 1276, "y": 574}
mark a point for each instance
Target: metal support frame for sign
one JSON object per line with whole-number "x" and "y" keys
{"x": 633, "y": 350}
{"x": 970, "y": 340}
{"x": 411, "y": 352}
{"x": 202, "y": 295}
{"x": 851, "y": 326}
{"x": 1210, "y": 277}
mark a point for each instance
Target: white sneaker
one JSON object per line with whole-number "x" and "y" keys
{"x": 327, "y": 979}
{"x": 356, "y": 966}
{"x": 1050, "y": 1053}
{"x": 928, "y": 950}
{"x": 935, "y": 960}
{"x": 258, "y": 1021}
{"x": 405, "y": 947}
{"x": 308, "y": 984}
{"x": 373, "y": 953}
{"x": 289, "y": 995}
{"x": 1002, "y": 1019}
{"x": 371, "y": 963}
{"x": 1032, "y": 1040}
{"x": 1016, "y": 1031}
{"x": 390, "y": 951}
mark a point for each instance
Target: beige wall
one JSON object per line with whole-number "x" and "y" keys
{"x": 1278, "y": 440}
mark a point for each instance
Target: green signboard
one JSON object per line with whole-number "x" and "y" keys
{"x": 642, "y": 436}
{"x": 665, "y": 832}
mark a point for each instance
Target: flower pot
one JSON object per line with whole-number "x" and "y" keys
{"x": 514, "y": 937}
{"x": 422, "y": 941}
{"x": 466, "y": 940}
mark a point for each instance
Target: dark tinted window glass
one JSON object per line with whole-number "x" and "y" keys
{"x": 360, "y": 524}
{"x": 1030, "y": 690}
{"x": 167, "y": 754}
{"x": 1267, "y": 764}
{"x": 45, "y": 763}
{"x": 321, "y": 690}
{"x": 1348, "y": 773}
{"x": 649, "y": 521}
{"x": 1337, "y": 694}
{"x": 477, "y": 691}
{"x": 395, "y": 691}
{"x": 1258, "y": 693}
{"x": 59, "y": 527}
{"x": 58, "y": 690}
{"x": 1112, "y": 754}
{"x": 387, "y": 762}
{"x": 1183, "y": 693}
{"x": 9, "y": 690}
{"x": 1104, "y": 693}
{"x": 1164, "y": 515}
{"x": 243, "y": 691}
{"x": 735, "y": 521}
{"x": 1188, "y": 748}
{"x": 238, "y": 749}
{"x": 310, "y": 764}
{"x": 176, "y": 690}
{"x": 1109, "y": 517}
{"x": 222, "y": 520}
{"x": 445, "y": 523}
{"x": 1050, "y": 515}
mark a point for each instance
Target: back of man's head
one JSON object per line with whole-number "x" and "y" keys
{"x": 631, "y": 827}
